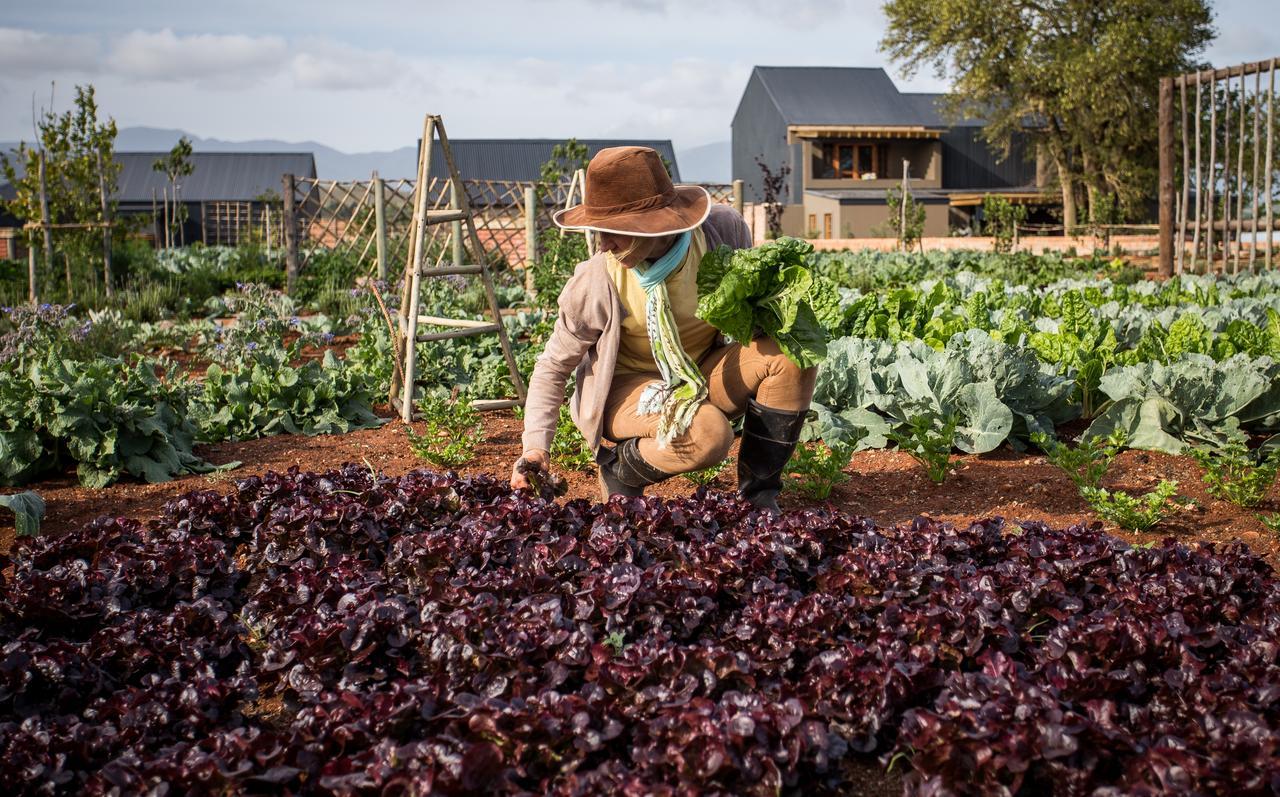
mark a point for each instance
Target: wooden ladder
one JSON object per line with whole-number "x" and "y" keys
{"x": 458, "y": 214}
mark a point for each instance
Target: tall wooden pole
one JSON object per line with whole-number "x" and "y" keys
{"x": 455, "y": 229}
{"x": 380, "y": 220}
{"x": 106, "y": 230}
{"x": 1213, "y": 175}
{"x": 1226, "y": 175}
{"x": 33, "y": 295}
{"x": 1253, "y": 184}
{"x": 290, "y": 236}
{"x": 155, "y": 218}
{"x": 1195, "y": 236}
{"x": 1186, "y": 178}
{"x": 1166, "y": 176}
{"x": 44, "y": 218}
{"x": 738, "y": 200}
{"x": 1271, "y": 129}
{"x": 1235, "y": 261}
{"x": 530, "y": 227}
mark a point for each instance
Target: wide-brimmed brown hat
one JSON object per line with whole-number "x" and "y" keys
{"x": 628, "y": 191}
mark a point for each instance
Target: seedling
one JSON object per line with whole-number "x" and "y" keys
{"x": 1137, "y": 513}
{"x": 1087, "y": 463}
{"x": 1234, "y": 473}
{"x": 453, "y": 429}
{"x": 815, "y": 469}
{"x": 928, "y": 440}
{"x": 704, "y": 477}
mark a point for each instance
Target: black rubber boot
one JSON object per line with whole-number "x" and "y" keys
{"x": 624, "y": 472}
{"x": 769, "y": 438}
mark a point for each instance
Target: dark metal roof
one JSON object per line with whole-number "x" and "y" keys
{"x": 216, "y": 176}
{"x": 226, "y": 176}
{"x": 931, "y": 110}
{"x": 837, "y": 95}
{"x": 522, "y": 158}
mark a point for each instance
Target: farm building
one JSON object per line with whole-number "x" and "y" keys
{"x": 228, "y": 195}
{"x": 845, "y": 134}
{"x": 522, "y": 158}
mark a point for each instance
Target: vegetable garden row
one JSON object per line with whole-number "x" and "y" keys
{"x": 350, "y": 632}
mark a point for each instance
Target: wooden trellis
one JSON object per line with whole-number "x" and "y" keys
{"x": 1226, "y": 200}
{"x": 343, "y": 217}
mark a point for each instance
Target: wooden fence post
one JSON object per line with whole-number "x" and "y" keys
{"x": 106, "y": 230}
{"x": 44, "y": 221}
{"x": 1271, "y": 122}
{"x": 32, "y": 294}
{"x": 738, "y": 192}
{"x": 530, "y": 227}
{"x": 455, "y": 229}
{"x": 290, "y": 236}
{"x": 380, "y": 218}
{"x": 1166, "y": 177}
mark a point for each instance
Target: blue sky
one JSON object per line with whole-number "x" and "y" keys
{"x": 358, "y": 75}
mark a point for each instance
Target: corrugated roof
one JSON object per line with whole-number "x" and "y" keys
{"x": 522, "y": 158}
{"x": 838, "y": 95}
{"x": 225, "y": 176}
{"x": 216, "y": 176}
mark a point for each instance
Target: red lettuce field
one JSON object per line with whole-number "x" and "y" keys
{"x": 346, "y": 633}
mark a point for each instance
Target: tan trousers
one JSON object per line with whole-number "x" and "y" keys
{"x": 734, "y": 374}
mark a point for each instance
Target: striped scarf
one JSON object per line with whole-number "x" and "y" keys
{"x": 683, "y": 388}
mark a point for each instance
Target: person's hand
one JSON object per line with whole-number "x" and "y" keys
{"x": 529, "y": 460}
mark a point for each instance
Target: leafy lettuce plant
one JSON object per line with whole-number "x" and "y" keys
{"x": 770, "y": 288}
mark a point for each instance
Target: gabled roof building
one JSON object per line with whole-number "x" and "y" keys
{"x": 847, "y": 134}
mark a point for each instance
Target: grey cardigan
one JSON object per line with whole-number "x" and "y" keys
{"x": 586, "y": 337}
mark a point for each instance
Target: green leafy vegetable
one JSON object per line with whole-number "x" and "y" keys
{"x": 28, "y": 509}
{"x": 771, "y": 289}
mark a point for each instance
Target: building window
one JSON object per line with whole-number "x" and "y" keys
{"x": 826, "y": 225}
{"x": 812, "y": 229}
{"x": 834, "y": 160}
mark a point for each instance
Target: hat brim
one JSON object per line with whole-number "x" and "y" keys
{"x": 687, "y": 211}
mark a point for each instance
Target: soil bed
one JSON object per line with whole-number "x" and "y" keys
{"x": 887, "y": 485}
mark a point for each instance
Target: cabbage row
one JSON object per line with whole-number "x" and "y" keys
{"x": 347, "y": 633}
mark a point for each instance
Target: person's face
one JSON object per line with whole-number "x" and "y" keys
{"x": 630, "y": 250}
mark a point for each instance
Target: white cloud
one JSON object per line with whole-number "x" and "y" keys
{"x": 26, "y": 53}
{"x": 204, "y": 59}
{"x": 327, "y": 65}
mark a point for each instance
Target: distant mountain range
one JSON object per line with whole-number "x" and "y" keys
{"x": 705, "y": 164}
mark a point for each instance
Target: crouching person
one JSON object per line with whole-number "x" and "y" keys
{"x": 653, "y": 379}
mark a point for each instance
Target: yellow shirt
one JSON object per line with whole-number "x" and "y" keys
{"x": 697, "y": 336}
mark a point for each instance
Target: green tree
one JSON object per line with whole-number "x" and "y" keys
{"x": 79, "y": 162}
{"x": 566, "y": 159}
{"x": 1080, "y": 77}
{"x": 175, "y": 166}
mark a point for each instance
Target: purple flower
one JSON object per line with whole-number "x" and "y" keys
{"x": 251, "y": 346}
{"x": 327, "y": 337}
